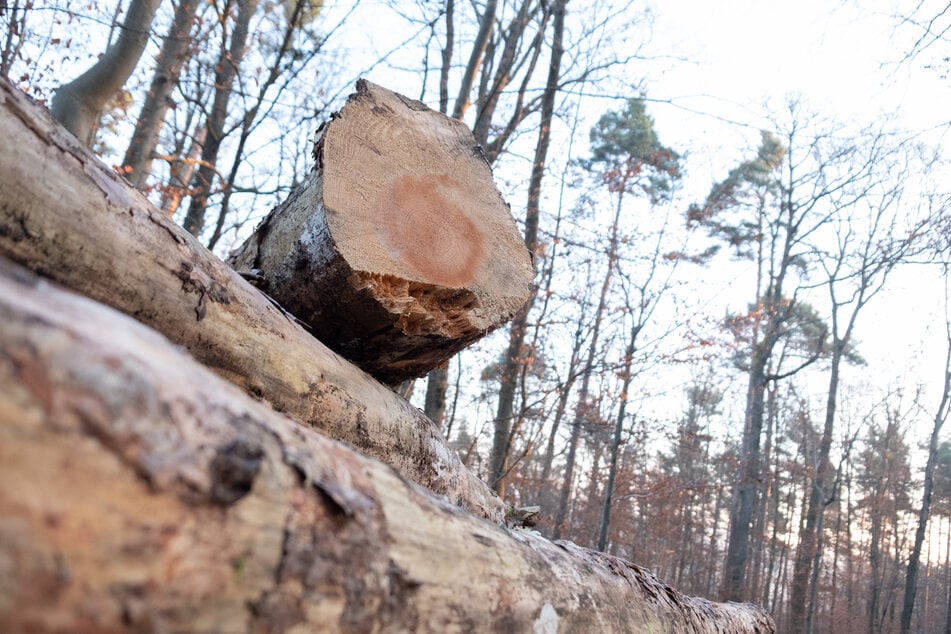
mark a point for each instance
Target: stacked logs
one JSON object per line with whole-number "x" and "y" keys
{"x": 203, "y": 463}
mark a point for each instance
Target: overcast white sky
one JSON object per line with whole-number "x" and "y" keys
{"x": 845, "y": 60}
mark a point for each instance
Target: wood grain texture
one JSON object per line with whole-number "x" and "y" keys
{"x": 68, "y": 217}
{"x": 139, "y": 492}
{"x": 398, "y": 250}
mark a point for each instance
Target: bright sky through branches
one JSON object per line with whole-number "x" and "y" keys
{"x": 723, "y": 66}
{"x": 846, "y": 59}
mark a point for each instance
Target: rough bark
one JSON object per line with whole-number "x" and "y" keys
{"x": 85, "y": 227}
{"x": 77, "y": 104}
{"x": 139, "y": 492}
{"x": 398, "y": 250}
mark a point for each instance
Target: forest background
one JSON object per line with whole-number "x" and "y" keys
{"x": 735, "y": 367}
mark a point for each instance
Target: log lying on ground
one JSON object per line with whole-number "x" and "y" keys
{"x": 70, "y": 218}
{"x": 398, "y": 250}
{"x": 140, "y": 492}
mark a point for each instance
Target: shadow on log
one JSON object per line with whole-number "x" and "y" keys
{"x": 140, "y": 492}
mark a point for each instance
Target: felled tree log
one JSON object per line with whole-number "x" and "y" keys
{"x": 70, "y": 218}
{"x": 397, "y": 250}
{"x": 140, "y": 492}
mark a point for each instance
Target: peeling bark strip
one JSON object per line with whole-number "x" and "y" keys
{"x": 68, "y": 217}
{"x": 398, "y": 250}
{"x": 139, "y": 492}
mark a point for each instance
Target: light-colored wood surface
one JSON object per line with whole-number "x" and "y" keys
{"x": 141, "y": 493}
{"x": 70, "y": 218}
{"x": 398, "y": 250}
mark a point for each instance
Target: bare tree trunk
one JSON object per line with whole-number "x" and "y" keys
{"x": 911, "y": 581}
{"x": 447, "y": 57}
{"x": 513, "y": 362}
{"x": 283, "y": 63}
{"x": 436, "y": 387}
{"x": 148, "y": 125}
{"x": 947, "y": 562}
{"x": 616, "y": 439}
{"x": 583, "y": 407}
{"x": 488, "y": 102}
{"x": 564, "y": 392}
{"x": 142, "y": 493}
{"x": 81, "y": 219}
{"x": 486, "y": 24}
{"x": 741, "y": 513}
{"x": 77, "y": 105}
{"x": 225, "y": 73}
{"x": 809, "y": 535}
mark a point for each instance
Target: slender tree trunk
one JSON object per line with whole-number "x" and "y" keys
{"x": 225, "y": 73}
{"x": 836, "y": 550}
{"x": 78, "y": 104}
{"x": 850, "y": 565}
{"x": 947, "y": 563}
{"x": 282, "y": 63}
{"x": 741, "y": 513}
{"x": 594, "y": 480}
{"x": 447, "y": 57}
{"x": 513, "y": 362}
{"x": 616, "y": 439}
{"x": 814, "y": 577}
{"x": 764, "y": 494}
{"x": 714, "y": 535}
{"x": 436, "y": 388}
{"x": 774, "y": 504}
{"x": 488, "y": 102}
{"x": 874, "y": 559}
{"x": 148, "y": 125}
{"x": 808, "y": 536}
{"x": 583, "y": 407}
{"x": 765, "y": 336}
{"x": 563, "y": 394}
{"x": 486, "y": 24}
{"x": 457, "y": 387}
{"x": 911, "y": 580}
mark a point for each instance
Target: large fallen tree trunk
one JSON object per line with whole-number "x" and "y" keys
{"x": 70, "y": 218}
{"x": 139, "y": 492}
{"x": 398, "y": 250}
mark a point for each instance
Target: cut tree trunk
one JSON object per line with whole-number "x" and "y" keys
{"x": 140, "y": 492}
{"x": 398, "y": 250}
{"x": 70, "y": 218}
